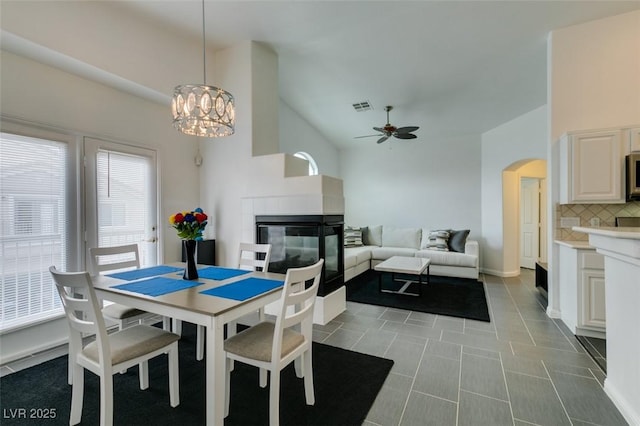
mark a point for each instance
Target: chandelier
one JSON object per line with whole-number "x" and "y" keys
{"x": 201, "y": 110}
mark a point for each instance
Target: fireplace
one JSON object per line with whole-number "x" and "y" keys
{"x": 301, "y": 240}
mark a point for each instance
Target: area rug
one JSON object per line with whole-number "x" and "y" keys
{"x": 456, "y": 297}
{"x": 346, "y": 385}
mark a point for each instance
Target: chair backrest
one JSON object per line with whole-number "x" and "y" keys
{"x": 297, "y": 303}
{"x": 249, "y": 256}
{"x": 113, "y": 258}
{"x": 82, "y": 309}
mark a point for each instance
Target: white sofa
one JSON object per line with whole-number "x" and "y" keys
{"x": 382, "y": 242}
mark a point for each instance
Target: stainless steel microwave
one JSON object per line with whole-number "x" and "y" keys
{"x": 633, "y": 176}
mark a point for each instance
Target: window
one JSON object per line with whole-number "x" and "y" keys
{"x": 313, "y": 167}
{"x": 33, "y": 206}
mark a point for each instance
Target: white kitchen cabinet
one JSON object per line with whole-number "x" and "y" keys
{"x": 592, "y": 167}
{"x": 582, "y": 290}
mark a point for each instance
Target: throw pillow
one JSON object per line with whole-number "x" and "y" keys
{"x": 374, "y": 236}
{"x": 365, "y": 235}
{"x": 352, "y": 237}
{"x": 458, "y": 239}
{"x": 438, "y": 240}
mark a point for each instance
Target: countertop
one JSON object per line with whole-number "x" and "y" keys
{"x": 575, "y": 244}
{"x": 632, "y": 233}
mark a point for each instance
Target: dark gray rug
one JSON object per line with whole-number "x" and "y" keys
{"x": 456, "y": 297}
{"x": 346, "y": 385}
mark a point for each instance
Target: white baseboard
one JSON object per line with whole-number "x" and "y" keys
{"x": 630, "y": 413}
{"x": 553, "y": 313}
{"x": 502, "y": 274}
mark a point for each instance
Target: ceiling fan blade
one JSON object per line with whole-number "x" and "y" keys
{"x": 405, "y": 136}
{"x": 365, "y": 136}
{"x": 382, "y": 139}
{"x": 379, "y": 129}
{"x": 407, "y": 129}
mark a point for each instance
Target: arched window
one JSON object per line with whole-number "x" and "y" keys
{"x": 313, "y": 167}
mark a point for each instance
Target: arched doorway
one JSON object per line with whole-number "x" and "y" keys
{"x": 522, "y": 215}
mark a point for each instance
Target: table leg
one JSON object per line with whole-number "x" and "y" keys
{"x": 215, "y": 364}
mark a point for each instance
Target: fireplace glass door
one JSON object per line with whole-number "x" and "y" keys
{"x": 301, "y": 241}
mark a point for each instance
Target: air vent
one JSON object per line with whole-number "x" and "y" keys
{"x": 362, "y": 106}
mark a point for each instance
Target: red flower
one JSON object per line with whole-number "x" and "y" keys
{"x": 201, "y": 217}
{"x": 179, "y": 218}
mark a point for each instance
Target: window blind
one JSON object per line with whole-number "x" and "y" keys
{"x": 123, "y": 198}
{"x": 33, "y": 200}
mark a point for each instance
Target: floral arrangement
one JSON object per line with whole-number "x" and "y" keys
{"x": 189, "y": 225}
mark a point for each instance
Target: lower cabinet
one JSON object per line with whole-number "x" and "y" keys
{"x": 593, "y": 312}
{"x": 582, "y": 291}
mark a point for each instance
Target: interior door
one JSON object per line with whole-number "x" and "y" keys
{"x": 529, "y": 222}
{"x": 121, "y": 197}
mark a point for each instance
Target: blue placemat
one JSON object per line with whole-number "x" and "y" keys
{"x": 218, "y": 273}
{"x": 157, "y": 286}
{"x": 136, "y": 274}
{"x": 244, "y": 289}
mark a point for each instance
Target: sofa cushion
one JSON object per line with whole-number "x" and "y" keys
{"x": 449, "y": 258}
{"x": 401, "y": 237}
{"x": 457, "y": 240}
{"x": 438, "y": 240}
{"x": 352, "y": 237}
{"x": 373, "y": 236}
{"x": 356, "y": 255}
{"x": 383, "y": 253}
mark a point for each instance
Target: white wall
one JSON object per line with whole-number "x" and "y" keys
{"x": 523, "y": 138}
{"x": 414, "y": 183}
{"x": 41, "y": 94}
{"x": 594, "y": 82}
{"x": 296, "y": 134}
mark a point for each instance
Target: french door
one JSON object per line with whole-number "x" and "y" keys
{"x": 121, "y": 197}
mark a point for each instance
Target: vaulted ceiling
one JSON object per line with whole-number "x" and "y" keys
{"x": 450, "y": 67}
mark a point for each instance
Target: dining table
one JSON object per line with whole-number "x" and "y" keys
{"x": 218, "y": 296}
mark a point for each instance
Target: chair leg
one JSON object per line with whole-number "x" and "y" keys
{"x": 308, "y": 378}
{"x": 177, "y": 326}
{"x": 70, "y": 363}
{"x": 174, "y": 376}
{"x": 120, "y": 328}
{"x": 143, "y": 373}
{"x": 263, "y": 377}
{"x": 200, "y": 332}
{"x": 106, "y": 399}
{"x": 274, "y": 399}
{"x": 227, "y": 385}
{"x": 166, "y": 323}
{"x": 298, "y": 365}
{"x": 77, "y": 394}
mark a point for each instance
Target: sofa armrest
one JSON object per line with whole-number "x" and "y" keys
{"x": 472, "y": 247}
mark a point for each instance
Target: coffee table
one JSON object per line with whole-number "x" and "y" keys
{"x": 403, "y": 265}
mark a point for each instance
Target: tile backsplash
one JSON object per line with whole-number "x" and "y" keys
{"x": 605, "y": 212}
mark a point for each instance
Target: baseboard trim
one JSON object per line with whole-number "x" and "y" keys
{"x": 628, "y": 411}
{"x": 501, "y": 274}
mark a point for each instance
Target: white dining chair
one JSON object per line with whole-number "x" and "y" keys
{"x": 108, "y": 354}
{"x": 251, "y": 257}
{"x": 109, "y": 259}
{"x": 274, "y": 345}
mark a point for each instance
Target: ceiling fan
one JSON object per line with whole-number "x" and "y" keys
{"x": 388, "y": 130}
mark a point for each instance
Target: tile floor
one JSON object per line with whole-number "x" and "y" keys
{"x": 520, "y": 369}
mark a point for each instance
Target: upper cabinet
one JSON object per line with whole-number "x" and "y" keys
{"x": 592, "y": 167}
